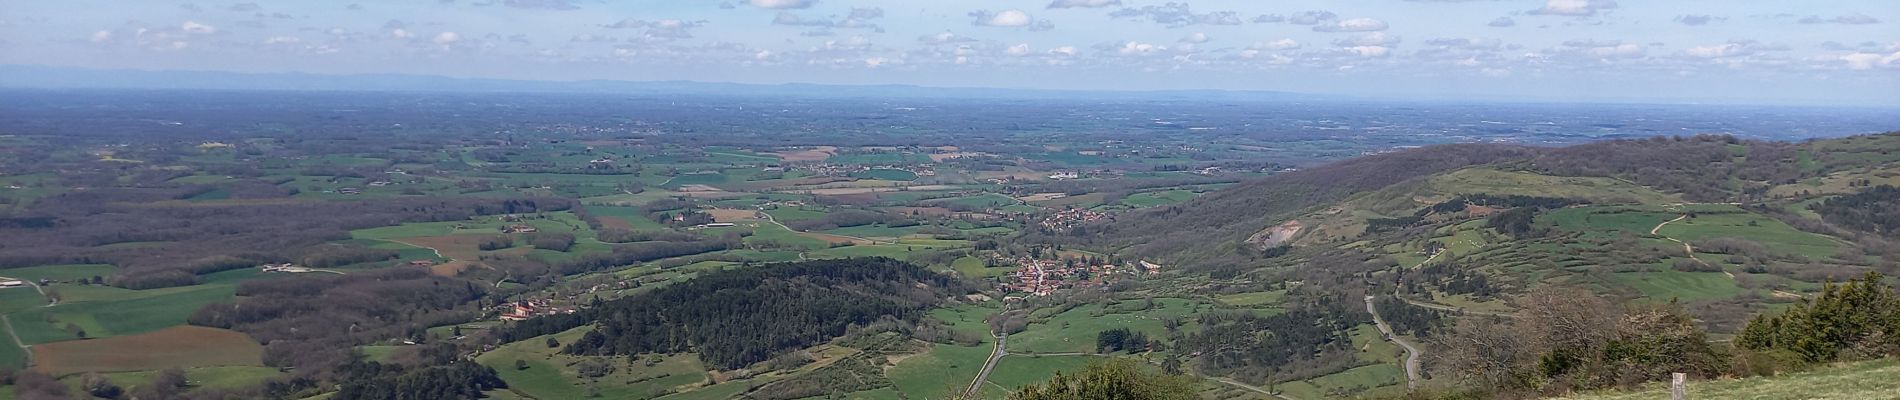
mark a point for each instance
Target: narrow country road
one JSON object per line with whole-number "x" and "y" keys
{"x": 1251, "y": 388}
{"x": 774, "y": 221}
{"x": 983, "y": 375}
{"x": 8, "y": 321}
{"x": 1411, "y": 352}
{"x": 1686, "y": 248}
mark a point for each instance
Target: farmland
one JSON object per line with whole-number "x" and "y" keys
{"x": 1081, "y": 236}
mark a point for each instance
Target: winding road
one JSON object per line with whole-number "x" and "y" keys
{"x": 1411, "y": 352}
{"x": 1686, "y": 248}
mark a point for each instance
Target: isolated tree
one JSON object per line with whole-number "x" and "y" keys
{"x": 99, "y": 386}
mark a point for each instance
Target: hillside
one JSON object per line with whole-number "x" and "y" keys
{"x": 1866, "y": 380}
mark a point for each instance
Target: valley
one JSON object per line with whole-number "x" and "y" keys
{"x": 629, "y": 260}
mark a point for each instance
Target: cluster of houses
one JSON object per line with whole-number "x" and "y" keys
{"x": 285, "y": 268}
{"x": 526, "y": 309}
{"x": 1070, "y": 218}
{"x": 827, "y": 169}
{"x": 1038, "y": 277}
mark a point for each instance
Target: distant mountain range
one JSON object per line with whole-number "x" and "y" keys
{"x": 46, "y": 77}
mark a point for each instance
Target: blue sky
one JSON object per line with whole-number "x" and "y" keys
{"x": 1765, "y": 51}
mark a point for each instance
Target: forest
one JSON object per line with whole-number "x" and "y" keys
{"x": 1875, "y": 210}
{"x": 758, "y": 313}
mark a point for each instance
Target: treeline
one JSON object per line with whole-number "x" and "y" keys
{"x": 1407, "y": 319}
{"x": 849, "y": 218}
{"x": 734, "y": 318}
{"x": 75, "y": 227}
{"x": 1875, "y": 210}
{"x": 312, "y": 323}
{"x": 1858, "y": 319}
{"x": 1458, "y": 204}
{"x": 1565, "y": 340}
{"x": 377, "y": 381}
{"x": 1121, "y": 339}
{"x": 1310, "y": 339}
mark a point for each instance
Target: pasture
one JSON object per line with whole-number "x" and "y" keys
{"x": 105, "y": 312}
{"x": 181, "y": 346}
{"x": 551, "y": 375}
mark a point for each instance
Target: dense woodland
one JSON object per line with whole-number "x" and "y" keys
{"x": 312, "y": 324}
{"x": 1310, "y": 339}
{"x": 1875, "y": 210}
{"x": 760, "y": 313}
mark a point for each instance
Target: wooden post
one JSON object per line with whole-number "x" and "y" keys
{"x": 1677, "y": 388}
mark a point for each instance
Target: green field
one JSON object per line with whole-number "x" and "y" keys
{"x": 1158, "y": 198}
{"x": 1607, "y": 221}
{"x": 1867, "y": 380}
{"x": 1254, "y": 298}
{"x": 981, "y": 201}
{"x": 104, "y": 311}
{"x": 973, "y": 267}
{"x": 1357, "y": 380}
{"x": 1486, "y": 180}
{"x": 1074, "y": 331}
{"x": 632, "y": 215}
{"x": 60, "y": 273}
{"x": 551, "y": 375}
{"x": 1015, "y": 371}
{"x": 885, "y": 174}
{"x": 1730, "y": 222}
{"x": 1662, "y": 283}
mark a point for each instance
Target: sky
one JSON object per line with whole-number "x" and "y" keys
{"x": 1716, "y": 51}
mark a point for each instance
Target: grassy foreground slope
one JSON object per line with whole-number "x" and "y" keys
{"x": 1867, "y": 380}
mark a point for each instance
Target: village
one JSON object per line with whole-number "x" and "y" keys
{"x": 1037, "y": 276}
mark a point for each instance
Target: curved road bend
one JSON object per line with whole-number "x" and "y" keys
{"x": 1411, "y": 352}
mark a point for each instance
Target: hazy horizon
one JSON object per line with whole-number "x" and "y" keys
{"x": 1753, "y": 52}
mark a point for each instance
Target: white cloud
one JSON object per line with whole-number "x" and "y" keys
{"x": 1084, "y": 3}
{"x": 1007, "y": 18}
{"x": 1371, "y": 39}
{"x": 1065, "y": 51}
{"x": 780, "y": 4}
{"x": 1609, "y": 49}
{"x": 1852, "y": 19}
{"x": 1019, "y": 50}
{"x": 283, "y": 40}
{"x": 1502, "y": 22}
{"x": 944, "y": 38}
{"x": 195, "y": 27}
{"x": 1370, "y": 51}
{"x": 1133, "y": 48}
{"x": 1176, "y": 15}
{"x": 447, "y": 37}
{"x": 1197, "y": 38}
{"x": 1734, "y": 48}
{"x": 1867, "y": 61}
{"x": 1578, "y": 8}
{"x": 1352, "y": 25}
{"x": 1311, "y": 17}
{"x": 101, "y": 36}
{"x": 1282, "y": 44}
{"x": 401, "y": 33}
{"x": 874, "y": 62}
